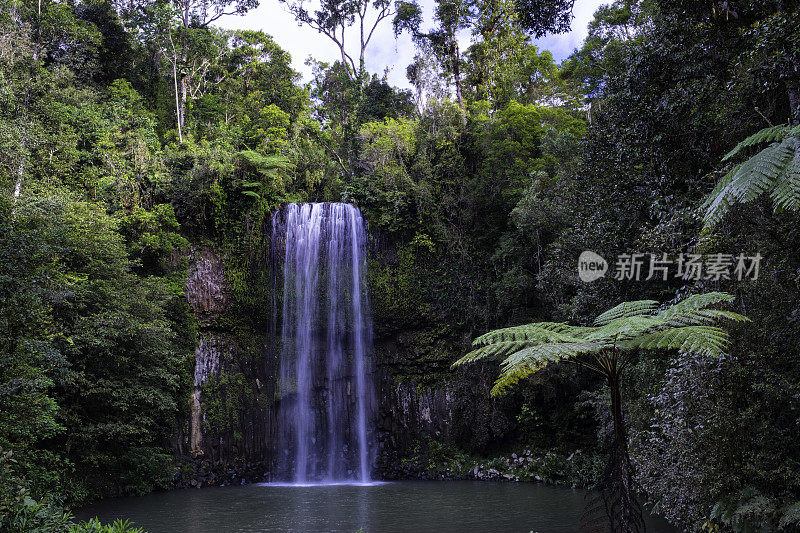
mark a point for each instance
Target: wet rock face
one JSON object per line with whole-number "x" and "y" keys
{"x": 206, "y": 288}
{"x": 207, "y": 357}
{"x": 414, "y": 411}
{"x": 200, "y": 471}
{"x": 208, "y": 297}
{"x": 421, "y": 399}
{"x": 196, "y": 424}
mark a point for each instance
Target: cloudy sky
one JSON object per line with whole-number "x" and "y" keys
{"x": 384, "y": 51}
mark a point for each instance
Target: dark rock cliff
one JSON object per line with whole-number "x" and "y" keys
{"x": 229, "y": 415}
{"x": 231, "y": 422}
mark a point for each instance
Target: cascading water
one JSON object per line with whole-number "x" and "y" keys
{"x": 324, "y": 386}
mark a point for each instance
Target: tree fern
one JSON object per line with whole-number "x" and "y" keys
{"x": 774, "y": 170}
{"x": 268, "y": 166}
{"x": 691, "y": 325}
{"x": 771, "y": 134}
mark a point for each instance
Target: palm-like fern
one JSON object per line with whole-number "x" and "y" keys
{"x": 775, "y": 170}
{"x": 692, "y": 325}
{"x": 269, "y": 167}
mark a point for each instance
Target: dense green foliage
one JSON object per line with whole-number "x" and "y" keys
{"x": 136, "y": 134}
{"x": 20, "y": 513}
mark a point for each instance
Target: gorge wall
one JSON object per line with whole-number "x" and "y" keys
{"x": 231, "y": 422}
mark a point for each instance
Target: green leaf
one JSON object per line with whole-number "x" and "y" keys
{"x": 774, "y": 170}
{"x": 534, "y": 358}
{"x": 771, "y": 134}
{"x": 627, "y": 309}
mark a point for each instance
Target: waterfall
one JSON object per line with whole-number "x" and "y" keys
{"x": 324, "y": 388}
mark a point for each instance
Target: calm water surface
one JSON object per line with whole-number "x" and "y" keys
{"x": 410, "y": 506}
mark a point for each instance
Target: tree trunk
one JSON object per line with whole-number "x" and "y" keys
{"x": 793, "y": 83}
{"x": 457, "y": 76}
{"x": 611, "y": 505}
{"x": 177, "y": 100}
{"x": 20, "y": 173}
{"x": 616, "y": 408}
{"x": 196, "y": 425}
{"x": 454, "y": 59}
{"x": 793, "y": 92}
{"x": 182, "y": 106}
{"x": 24, "y": 146}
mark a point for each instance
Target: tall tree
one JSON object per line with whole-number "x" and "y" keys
{"x": 540, "y": 17}
{"x": 335, "y": 18}
{"x": 181, "y": 30}
{"x": 451, "y": 16}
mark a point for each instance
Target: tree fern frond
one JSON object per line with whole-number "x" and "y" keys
{"x": 541, "y": 355}
{"x": 708, "y": 340}
{"x": 719, "y": 202}
{"x": 770, "y": 134}
{"x": 264, "y": 163}
{"x": 534, "y": 358}
{"x": 627, "y": 309}
{"x": 622, "y": 328}
{"x": 694, "y": 302}
{"x": 771, "y": 170}
{"x": 715, "y": 195}
{"x": 493, "y": 351}
{"x": 786, "y": 195}
{"x": 759, "y": 173}
{"x": 699, "y": 317}
{"x": 536, "y": 332}
{"x": 510, "y": 377}
{"x": 280, "y": 162}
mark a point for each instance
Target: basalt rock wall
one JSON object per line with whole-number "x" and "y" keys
{"x": 228, "y": 415}
{"x": 231, "y": 420}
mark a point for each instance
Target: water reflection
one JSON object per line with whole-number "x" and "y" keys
{"x": 446, "y": 507}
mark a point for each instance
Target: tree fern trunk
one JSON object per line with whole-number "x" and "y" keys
{"x": 611, "y": 504}
{"x": 793, "y": 90}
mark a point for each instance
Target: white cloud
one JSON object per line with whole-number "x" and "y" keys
{"x": 385, "y": 52}
{"x": 562, "y": 46}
